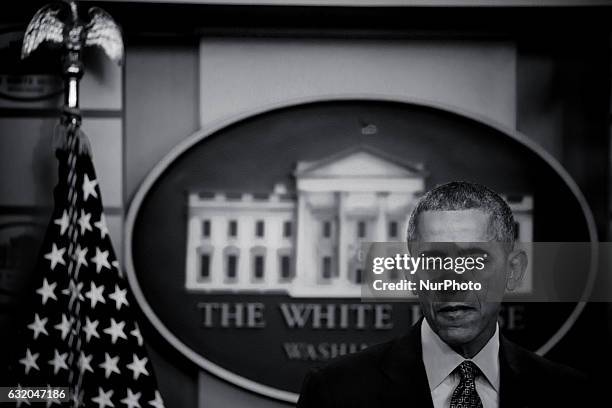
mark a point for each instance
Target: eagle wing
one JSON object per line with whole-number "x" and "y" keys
{"x": 44, "y": 26}
{"x": 103, "y": 32}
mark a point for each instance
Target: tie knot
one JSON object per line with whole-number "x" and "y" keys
{"x": 468, "y": 370}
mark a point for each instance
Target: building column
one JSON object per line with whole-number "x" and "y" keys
{"x": 342, "y": 238}
{"x": 193, "y": 244}
{"x": 302, "y": 275}
{"x": 217, "y": 273}
{"x": 272, "y": 272}
{"x": 245, "y": 259}
{"x": 381, "y": 218}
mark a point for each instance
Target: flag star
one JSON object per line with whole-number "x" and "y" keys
{"x": 104, "y": 398}
{"x": 95, "y": 294}
{"x": 84, "y": 363}
{"x": 101, "y": 225}
{"x": 59, "y": 361}
{"x": 89, "y": 188}
{"x": 90, "y": 329}
{"x": 80, "y": 255}
{"x": 38, "y": 326}
{"x": 29, "y": 361}
{"x": 62, "y": 222}
{"x": 157, "y": 402}
{"x": 74, "y": 291}
{"x": 64, "y": 326}
{"x": 101, "y": 260}
{"x": 110, "y": 365}
{"x": 56, "y": 256}
{"x": 22, "y": 400}
{"x": 136, "y": 333}
{"x": 50, "y": 399}
{"x": 138, "y": 366}
{"x": 47, "y": 291}
{"x": 119, "y": 296}
{"x": 115, "y": 330}
{"x": 84, "y": 222}
{"x": 131, "y": 399}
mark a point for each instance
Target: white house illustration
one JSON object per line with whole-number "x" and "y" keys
{"x": 305, "y": 243}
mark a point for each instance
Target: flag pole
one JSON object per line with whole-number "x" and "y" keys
{"x": 72, "y": 70}
{"x": 60, "y": 24}
{"x": 71, "y": 119}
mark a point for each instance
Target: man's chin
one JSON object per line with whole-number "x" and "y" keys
{"x": 457, "y": 336}
{"x": 457, "y": 327}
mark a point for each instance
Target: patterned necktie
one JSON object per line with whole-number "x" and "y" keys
{"x": 465, "y": 395}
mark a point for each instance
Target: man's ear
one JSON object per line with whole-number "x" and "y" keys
{"x": 517, "y": 264}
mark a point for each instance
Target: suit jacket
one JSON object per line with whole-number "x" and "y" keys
{"x": 392, "y": 374}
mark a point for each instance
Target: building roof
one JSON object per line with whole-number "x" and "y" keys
{"x": 359, "y": 161}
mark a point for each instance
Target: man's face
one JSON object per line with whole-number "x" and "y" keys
{"x": 464, "y": 318}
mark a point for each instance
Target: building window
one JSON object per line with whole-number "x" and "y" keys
{"x": 259, "y": 229}
{"x": 232, "y": 266}
{"x": 206, "y": 228}
{"x": 232, "y": 228}
{"x": 393, "y": 229}
{"x": 285, "y": 267}
{"x": 204, "y": 266}
{"x": 326, "y": 271}
{"x": 258, "y": 267}
{"x": 359, "y": 276}
{"x": 326, "y": 229}
{"x": 517, "y": 230}
{"x": 287, "y": 229}
{"x": 361, "y": 229}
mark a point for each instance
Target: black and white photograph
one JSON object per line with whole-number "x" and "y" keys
{"x": 306, "y": 203}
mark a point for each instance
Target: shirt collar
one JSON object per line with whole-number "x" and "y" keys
{"x": 440, "y": 360}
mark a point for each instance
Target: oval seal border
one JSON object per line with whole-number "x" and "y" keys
{"x": 203, "y": 133}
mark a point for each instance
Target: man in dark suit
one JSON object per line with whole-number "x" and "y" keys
{"x": 455, "y": 357}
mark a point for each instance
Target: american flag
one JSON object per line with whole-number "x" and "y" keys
{"x": 82, "y": 332}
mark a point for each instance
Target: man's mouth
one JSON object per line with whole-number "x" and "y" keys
{"x": 454, "y": 307}
{"x": 454, "y": 310}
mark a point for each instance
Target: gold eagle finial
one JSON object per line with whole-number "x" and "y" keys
{"x": 59, "y": 25}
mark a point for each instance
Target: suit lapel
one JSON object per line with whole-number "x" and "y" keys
{"x": 512, "y": 390}
{"x": 405, "y": 382}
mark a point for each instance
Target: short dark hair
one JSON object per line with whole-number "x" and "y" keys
{"x": 463, "y": 195}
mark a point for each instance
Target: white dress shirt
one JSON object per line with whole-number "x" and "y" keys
{"x": 440, "y": 362}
